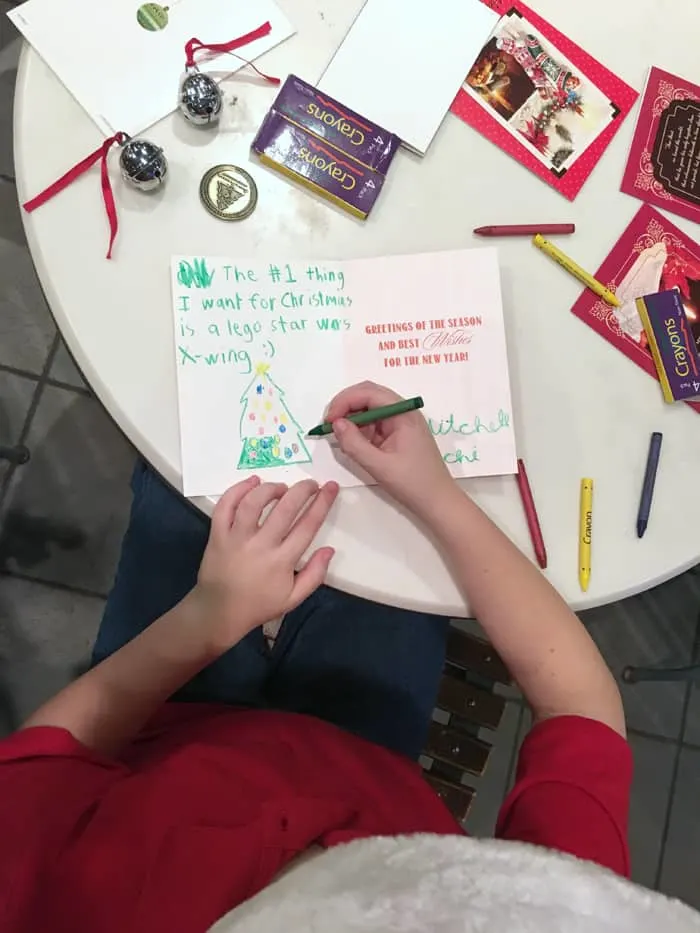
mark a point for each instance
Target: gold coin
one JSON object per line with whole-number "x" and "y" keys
{"x": 228, "y": 192}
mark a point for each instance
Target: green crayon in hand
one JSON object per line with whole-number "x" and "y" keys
{"x": 373, "y": 414}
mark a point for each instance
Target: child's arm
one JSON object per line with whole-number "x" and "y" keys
{"x": 546, "y": 648}
{"x": 246, "y": 578}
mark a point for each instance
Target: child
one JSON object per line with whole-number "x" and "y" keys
{"x": 121, "y": 809}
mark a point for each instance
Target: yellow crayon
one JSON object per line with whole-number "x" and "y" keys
{"x": 595, "y": 286}
{"x": 585, "y": 534}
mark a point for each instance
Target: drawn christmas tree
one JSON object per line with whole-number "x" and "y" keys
{"x": 271, "y": 437}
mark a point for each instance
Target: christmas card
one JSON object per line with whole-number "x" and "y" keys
{"x": 652, "y": 255}
{"x": 401, "y": 65}
{"x": 664, "y": 162}
{"x": 122, "y": 61}
{"x": 261, "y": 347}
{"x": 539, "y": 97}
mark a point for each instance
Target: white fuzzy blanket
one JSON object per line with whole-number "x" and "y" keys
{"x": 453, "y": 884}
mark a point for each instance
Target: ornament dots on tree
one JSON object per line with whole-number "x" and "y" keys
{"x": 271, "y": 436}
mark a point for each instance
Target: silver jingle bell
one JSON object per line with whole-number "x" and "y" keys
{"x": 143, "y": 164}
{"x": 199, "y": 98}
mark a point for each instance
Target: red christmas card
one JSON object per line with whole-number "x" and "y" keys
{"x": 652, "y": 255}
{"x": 539, "y": 97}
{"x": 664, "y": 162}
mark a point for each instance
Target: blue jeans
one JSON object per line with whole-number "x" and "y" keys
{"x": 371, "y": 669}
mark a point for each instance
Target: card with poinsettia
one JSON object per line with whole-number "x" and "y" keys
{"x": 664, "y": 163}
{"x": 539, "y": 97}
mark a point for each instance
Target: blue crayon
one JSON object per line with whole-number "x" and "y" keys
{"x": 649, "y": 481}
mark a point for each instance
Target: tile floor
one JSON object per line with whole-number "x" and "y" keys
{"x": 62, "y": 516}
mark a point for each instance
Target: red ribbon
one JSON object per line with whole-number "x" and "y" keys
{"x": 196, "y": 45}
{"x": 100, "y": 154}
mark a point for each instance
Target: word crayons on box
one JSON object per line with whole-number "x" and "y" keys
{"x": 672, "y": 345}
{"x": 325, "y": 146}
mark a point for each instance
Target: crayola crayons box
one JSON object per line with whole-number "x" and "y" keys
{"x": 340, "y": 127}
{"x": 303, "y": 157}
{"x": 672, "y": 344}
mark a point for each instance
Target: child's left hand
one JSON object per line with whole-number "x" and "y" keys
{"x": 247, "y": 573}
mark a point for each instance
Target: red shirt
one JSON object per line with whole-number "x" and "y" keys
{"x": 209, "y": 803}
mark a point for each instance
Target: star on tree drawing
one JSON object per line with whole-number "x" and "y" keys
{"x": 271, "y": 436}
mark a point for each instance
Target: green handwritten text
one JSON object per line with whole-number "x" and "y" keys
{"x": 228, "y": 303}
{"x": 240, "y": 359}
{"x": 461, "y": 456}
{"x": 452, "y": 425}
{"x": 231, "y": 328}
{"x": 194, "y": 274}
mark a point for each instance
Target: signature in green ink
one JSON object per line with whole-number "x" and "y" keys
{"x": 461, "y": 456}
{"x": 194, "y": 273}
{"x": 452, "y": 425}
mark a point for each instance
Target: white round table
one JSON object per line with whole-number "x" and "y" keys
{"x": 581, "y": 408}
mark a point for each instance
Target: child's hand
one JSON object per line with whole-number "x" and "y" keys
{"x": 247, "y": 573}
{"x": 399, "y": 453}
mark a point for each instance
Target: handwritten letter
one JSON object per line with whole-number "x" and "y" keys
{"x": 261, "y": 347}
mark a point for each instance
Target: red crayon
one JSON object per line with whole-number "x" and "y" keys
{"x": 533, "y": 522}
{"x": 526, "y": 230}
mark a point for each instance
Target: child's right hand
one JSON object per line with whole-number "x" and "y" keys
{"x": 399, "y": 453}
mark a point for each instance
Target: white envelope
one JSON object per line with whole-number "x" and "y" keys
{"x": 402, "y": 63}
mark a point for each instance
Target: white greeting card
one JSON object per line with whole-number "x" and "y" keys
{"x": 122, "y": 62}
{"x": 262, "y": 346}
{"x": 402, "y": 63}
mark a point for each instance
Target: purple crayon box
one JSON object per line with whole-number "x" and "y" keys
{"x": 672, "y": 344}
{"x": 337, "y": 125}
{"x": 287, "y": 148}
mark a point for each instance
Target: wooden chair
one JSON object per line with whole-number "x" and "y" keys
{"x": 457, "y": 749}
